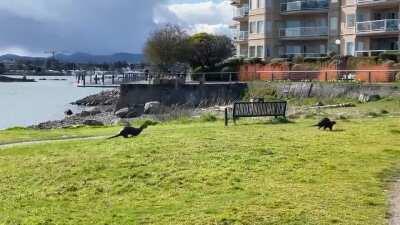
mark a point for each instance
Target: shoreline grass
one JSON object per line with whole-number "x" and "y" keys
{"x": 205, "y": 173}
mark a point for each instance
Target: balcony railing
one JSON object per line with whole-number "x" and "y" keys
{"x": 374, "y": 52}
{"x": 241, "y": 12}
{"x": 304, "y": 54}
{"x": 241, "y": 36}
{"x": 304, "y": 5}
{"x": 362, "y": 2}
{"x": 303, "y": 32}
{"x": 388, "y": 25}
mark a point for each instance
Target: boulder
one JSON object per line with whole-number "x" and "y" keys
{"x": 69, "y": 112}
{"x": 152, "y": 107}
{"x": 128, "y": 112}
{"x": 93, "y": 123}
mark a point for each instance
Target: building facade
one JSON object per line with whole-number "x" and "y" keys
{"x": 315, "y": 28}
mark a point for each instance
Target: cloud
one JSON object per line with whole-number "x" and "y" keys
{"x": 95, "y": 26}
{"x": 206, "y": 16}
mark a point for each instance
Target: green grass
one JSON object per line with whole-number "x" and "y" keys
{"x": 16, "y": 135}
{"x": 204, "y": 173}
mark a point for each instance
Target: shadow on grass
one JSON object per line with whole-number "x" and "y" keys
{"x": 273, "y": 121}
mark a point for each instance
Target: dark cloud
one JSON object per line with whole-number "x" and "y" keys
{"x": 95, "y": 26}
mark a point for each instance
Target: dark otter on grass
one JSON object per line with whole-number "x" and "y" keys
{"x": 326, "y": 123}
{"x": 129, "y": 131}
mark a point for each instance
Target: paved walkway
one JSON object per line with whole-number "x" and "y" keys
{"x": 395, "y": 204}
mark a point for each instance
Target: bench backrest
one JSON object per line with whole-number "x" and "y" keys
{"x": 257, "y": 109}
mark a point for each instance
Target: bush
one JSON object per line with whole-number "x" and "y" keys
{"x": 208, "y": 117}
{"x": 280, "y": 119}
{"x": 389, "y": 56}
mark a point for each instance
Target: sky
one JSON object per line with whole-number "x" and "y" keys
{"x": 33, "y": 27}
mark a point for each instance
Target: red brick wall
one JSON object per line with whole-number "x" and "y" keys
{"x": 372, "y": 76}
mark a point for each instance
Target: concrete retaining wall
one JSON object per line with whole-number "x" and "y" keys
{"x": 334, "y": 90}
{"x": 190, "y": 94}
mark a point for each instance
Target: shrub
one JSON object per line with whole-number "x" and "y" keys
{"x": 208, "y": 117}
{"x": 280, "y": 119}
{"x": 383, "y": 111}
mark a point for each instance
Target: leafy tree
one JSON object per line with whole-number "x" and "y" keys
{"x": 3, "y": 68}
{"x": 208, "y": 50}
{"x": 167, "y": 47}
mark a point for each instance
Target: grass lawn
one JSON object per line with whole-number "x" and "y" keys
{"x": 204, "y": 173}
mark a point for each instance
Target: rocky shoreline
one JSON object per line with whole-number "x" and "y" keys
{"x": 98, "y": 111}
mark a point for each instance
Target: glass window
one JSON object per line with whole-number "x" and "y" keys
{"x": 333, "y": 24}
{"x": 351, "y": 20}
{"x": 349, "y": 48}
{"x": 253, "y": 27}
{"x": 252, "y": 51}
{"x": 260, "y": 27}
{"x": 260, "y": 51}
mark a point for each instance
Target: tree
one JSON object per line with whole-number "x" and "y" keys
{"x": 207, "y": 50}
{"x": 3, "y": 68}
{"x": 167, "y": 47}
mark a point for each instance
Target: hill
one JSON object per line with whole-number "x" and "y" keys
{"x": 84, "y": 58}
{"x": 98, "y": 59}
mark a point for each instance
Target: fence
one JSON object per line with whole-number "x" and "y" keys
{"x": 87, "y": 79}
{"x": 370, "y": 76}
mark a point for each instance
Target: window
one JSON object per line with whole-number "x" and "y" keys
{"x": 252, "y": 51}
{"x": 260, "y": 27}
{"x": 253, "y": 27}
{"x": 268, "y": 27}
{"x": 260, "y": 51}
{"x": 351, "y": 20}
{"x": 333, "y": 24}
{"x": 349, "y": 48}
{"x": 267, "y": 51}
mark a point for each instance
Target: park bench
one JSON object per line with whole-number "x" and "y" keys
{"x": 255, "y": 109}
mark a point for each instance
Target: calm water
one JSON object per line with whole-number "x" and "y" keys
{"x": 24, "y": 104}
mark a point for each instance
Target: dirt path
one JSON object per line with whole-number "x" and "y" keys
{"x": 4, "y": 146}
{"x": 395, "y": 204}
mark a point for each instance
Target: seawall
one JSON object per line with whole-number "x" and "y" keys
{"x": 189, "y": 94}
{"x": 334, "y": 90}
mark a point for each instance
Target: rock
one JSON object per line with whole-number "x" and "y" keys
{"x": 319, "y": 104}
{"x": 83, "y": 114}
{"x": 152, "y": 107}
{"x": 68, "y": 112}
{"x": 103, "y": 98}
{"x": 128, "y": 112}
{"x": 122, "y": 113}
{"x": 93, "y": 123}
{"x": 364, "y": 98}
{"x": 95, "y": 111}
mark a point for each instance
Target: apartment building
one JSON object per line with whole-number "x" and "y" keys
{"x": 314, "y": 28}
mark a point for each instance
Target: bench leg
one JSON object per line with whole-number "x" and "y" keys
{"x": 226, "y": 117}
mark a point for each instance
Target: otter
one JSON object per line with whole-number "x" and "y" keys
{"x": 326, "y": 123}
{"x": 129, "y": 131}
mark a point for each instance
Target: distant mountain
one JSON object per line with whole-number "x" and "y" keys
{"x": 16, "y": 57}
{"x": 98, "y": 59}
{"x": 84, "y": 58}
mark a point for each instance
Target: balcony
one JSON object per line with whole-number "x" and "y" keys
{"x": 378, "y": 26}
{"x": 305, "y": 6}
{"x": 303, "y": 32}
{"x": 376, "y": 2}
{"x": 303, "y": 54}
{"x": 374, "y": 52}
{"x": 241, "y": 12}
{"x": 241, "y": 36}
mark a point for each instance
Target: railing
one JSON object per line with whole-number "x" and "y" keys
{"x": 387, "y": 25}
{"x": 360, "y": 2}
{"x": 303, "y": 32}
{"x": 306, "y": 55}
{"x": 304, "y": 5}
{"x": 374, "y": 52}
{"x": 241, "y": 35}
{"x": 241, "y": 12}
